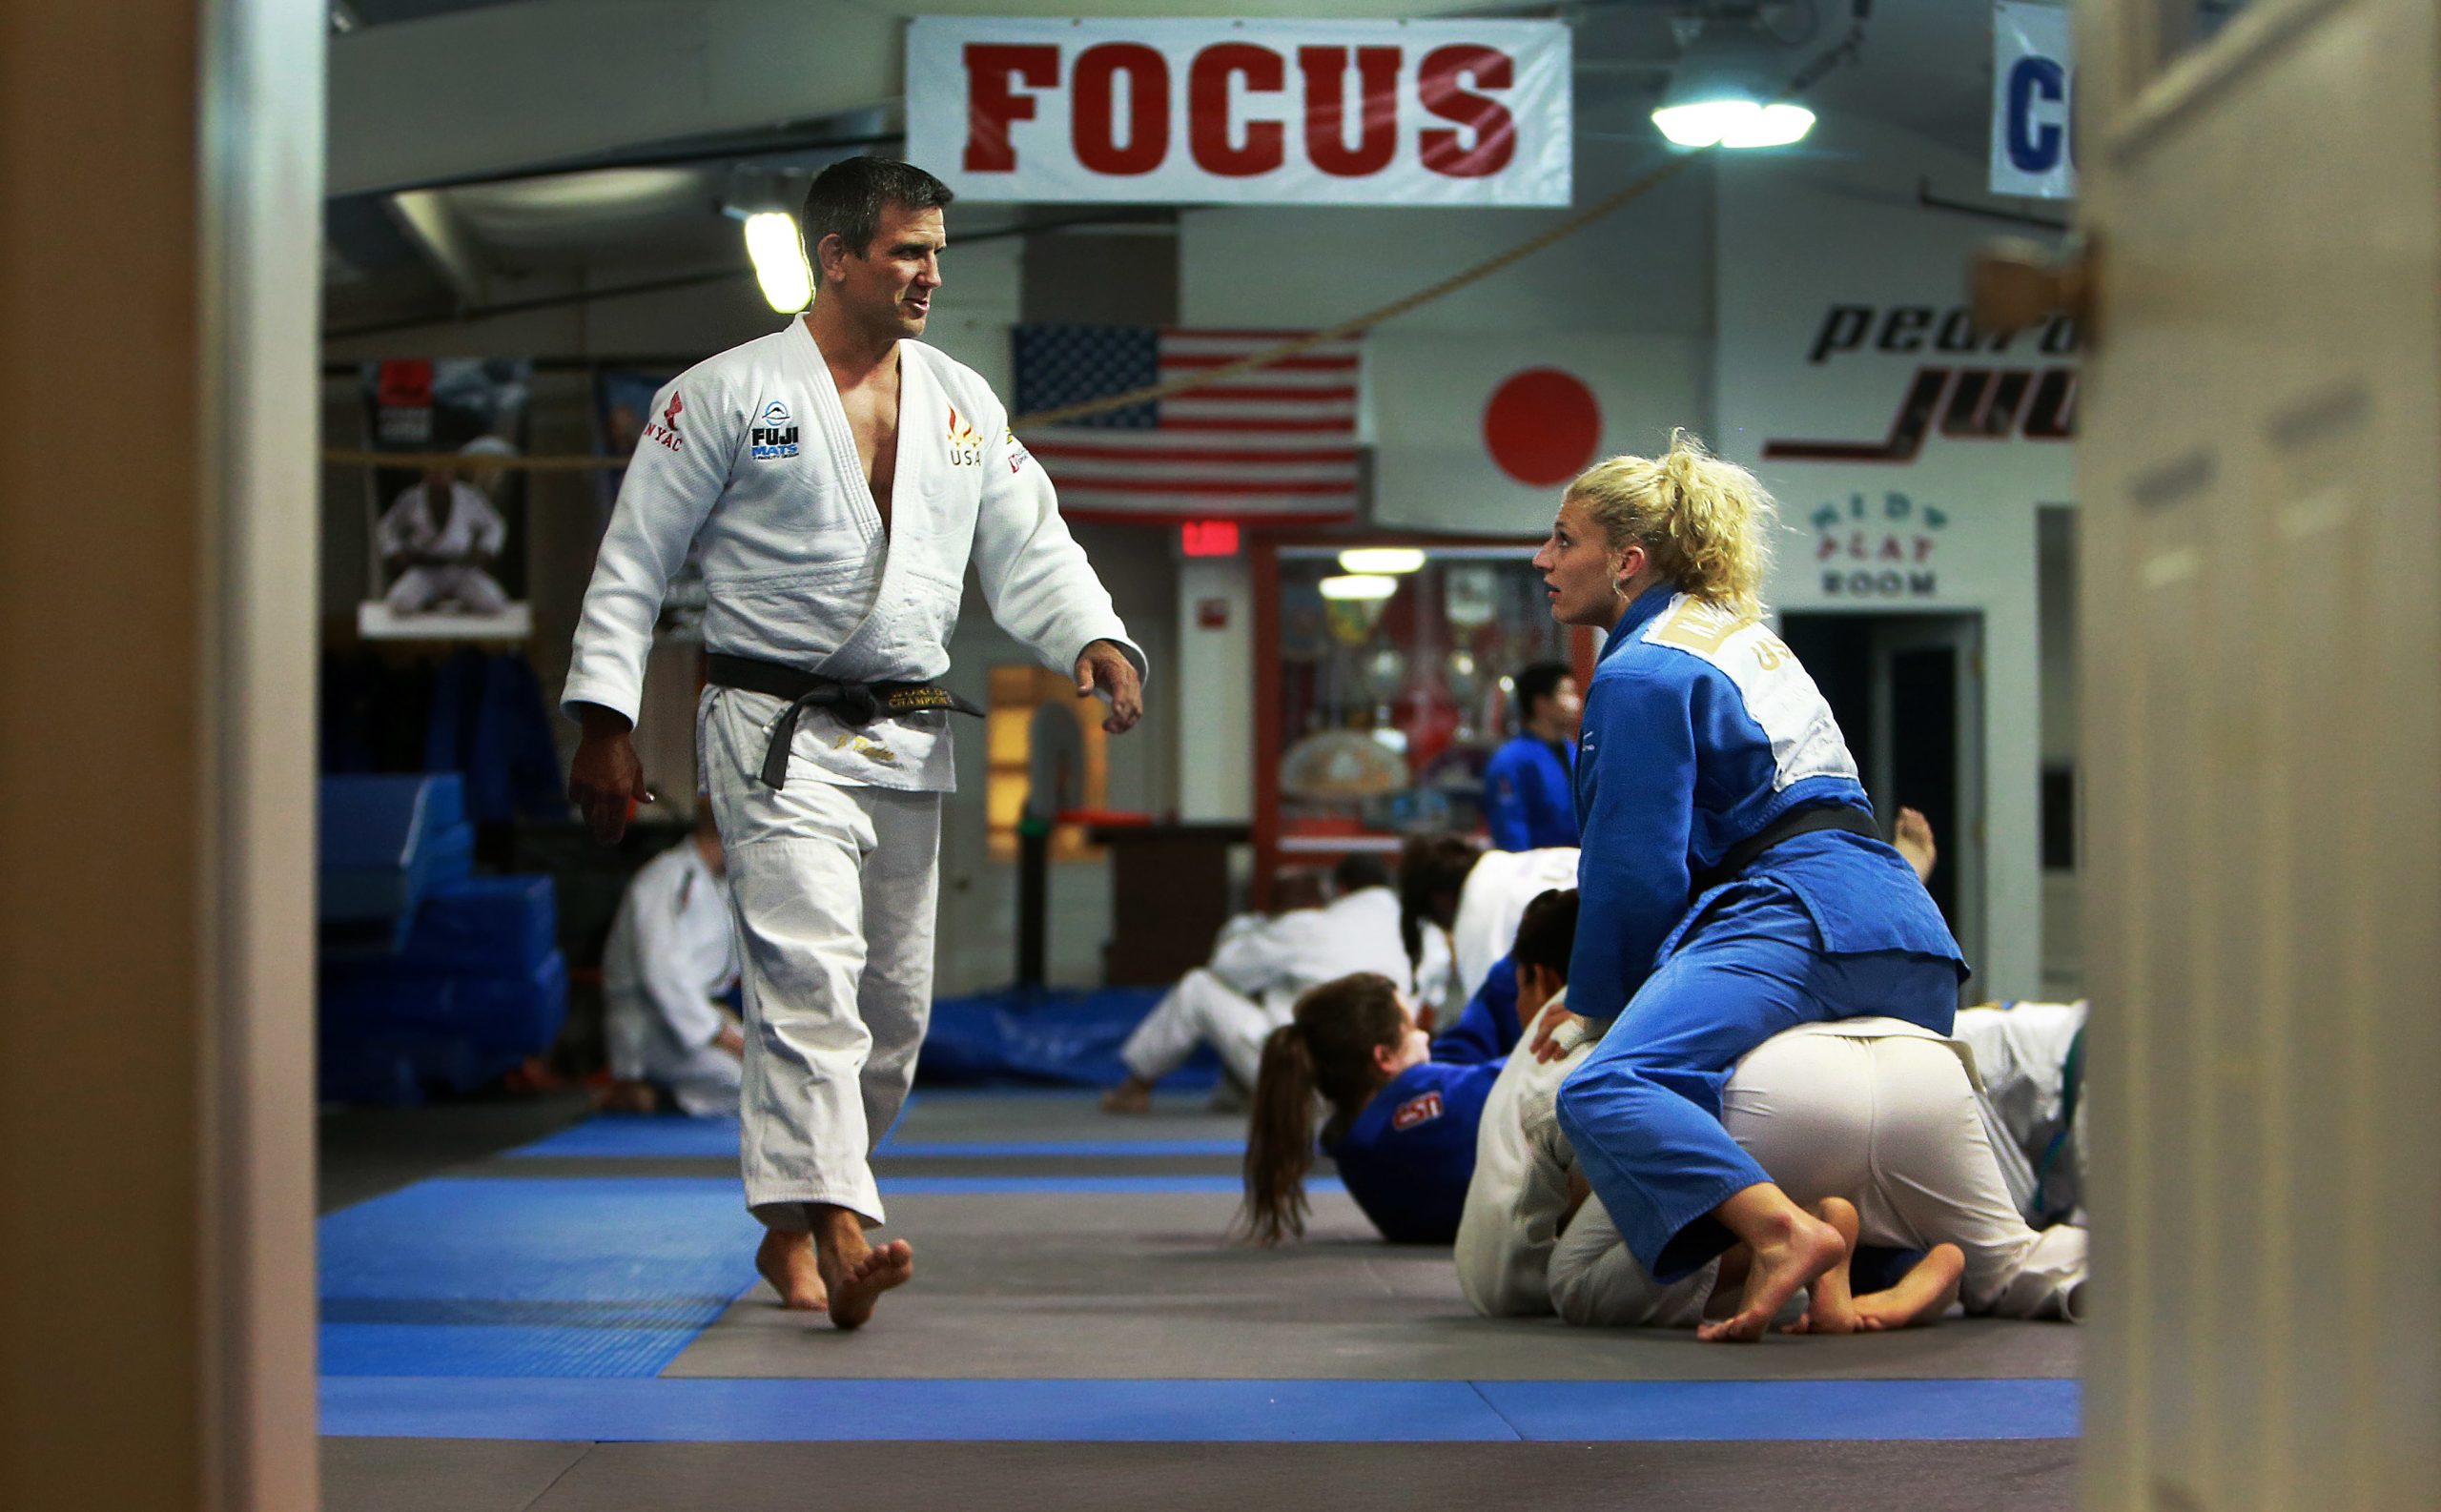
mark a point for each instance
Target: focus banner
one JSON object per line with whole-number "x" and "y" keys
{"x": 1217, "y": 111}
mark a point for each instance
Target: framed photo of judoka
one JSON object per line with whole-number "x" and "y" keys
{"x": 445, "y": 555}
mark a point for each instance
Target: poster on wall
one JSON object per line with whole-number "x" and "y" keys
{"x": 624, "y": 400}
{"x": 1214, "y": 111}
{"x": 447, "y": 551}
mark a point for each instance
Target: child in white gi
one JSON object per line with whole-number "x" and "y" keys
{"x": 836, "y": 478}
{"x": 671, "y": 956}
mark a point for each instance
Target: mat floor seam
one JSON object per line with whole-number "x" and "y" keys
{"x": 1506, "y": 1422}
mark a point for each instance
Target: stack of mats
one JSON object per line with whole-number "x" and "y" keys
{"x": 430, "y": 975}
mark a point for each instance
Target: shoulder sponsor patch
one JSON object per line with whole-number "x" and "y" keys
{"x": 1421, "y": 1109}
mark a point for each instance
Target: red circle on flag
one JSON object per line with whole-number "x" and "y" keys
{"x": 1542, "y": 425}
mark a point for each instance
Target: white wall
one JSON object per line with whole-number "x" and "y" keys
{"x": 1841, "y": 225}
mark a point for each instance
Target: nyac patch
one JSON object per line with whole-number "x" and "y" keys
{"x": 1416, "y": 1110}
{"x": 775, "y": 433}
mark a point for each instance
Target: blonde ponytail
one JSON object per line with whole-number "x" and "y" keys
{"x": 1706, "y": 524}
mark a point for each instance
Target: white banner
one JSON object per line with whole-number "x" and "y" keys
{"x": 2034, "y": 76}
{"x": 1218, "y": 111}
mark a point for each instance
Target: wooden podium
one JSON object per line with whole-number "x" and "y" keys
{"x": 1169, "y": 895}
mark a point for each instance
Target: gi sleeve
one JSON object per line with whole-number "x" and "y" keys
{"x": 665, "y": 961}
{"x": 669, "y": 491}
{"x": 1504, "y": 810}
{"x": 1488, "y": 1029}
{"x": 491, "y": 531}
{"x": 1636, "y": 804}
{"x": 395, "y": 535}
{"x": 1253, "y": 961}
{"x": 1036, "y": 578}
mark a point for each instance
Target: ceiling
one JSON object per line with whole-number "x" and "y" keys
{"x": 491, "y": 153}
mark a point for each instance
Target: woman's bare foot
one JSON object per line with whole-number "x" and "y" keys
{"x": 787, "y": 1260}
{"x": 1911, "y": 837}
{"x": 1791, "y": 1246}
{"x": 1922, "y": 1295}
{"x": 1135, "y": 1094}
{"x": 859, "y": 1279}
{"x": 1831, "y": 1306}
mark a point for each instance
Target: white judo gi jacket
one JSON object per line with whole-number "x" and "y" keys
{"x": 797, "y": 567}
{"x": 673, "y": 950}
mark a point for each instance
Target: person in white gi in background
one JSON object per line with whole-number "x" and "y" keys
{"x": 671, "y": 954}
{"x": 1258, "y": 969}
{"x": 442, "y": 536}
{"x": 1453, "y": 884}
{"x": 837, "y": 477}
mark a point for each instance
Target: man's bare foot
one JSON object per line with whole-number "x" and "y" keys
{"x": 1831, "y": 1306}
{"x": 1134, "y": 1095}
{"x": 1791, "y": 1247}
{"x": 786, "y": 1261}
{"x": 857, "y": 1279}
{"x": 1911, "y": 837}
{"x": 1922, "y": 1295}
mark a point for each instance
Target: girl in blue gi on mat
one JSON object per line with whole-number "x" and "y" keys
{"x": 1733, "y": 884}
{"x": 1405, "y": 1109}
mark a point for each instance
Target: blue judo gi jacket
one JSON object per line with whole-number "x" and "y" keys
{"x": 1701, "y": 730}
{"x": 1528, "y": 801}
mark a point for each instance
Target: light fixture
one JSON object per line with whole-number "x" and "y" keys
{"x": 1722, "y": 93}
{"x": 1381, "y": 558}
{"x": 1361, "y": 587}
{"x": 778, "y": 251}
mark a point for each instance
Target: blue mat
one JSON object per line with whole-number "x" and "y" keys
{"x": 530, "y": 1278}
{"x": 1199, "y": 1411}
{"x": 1066, "y": 1038}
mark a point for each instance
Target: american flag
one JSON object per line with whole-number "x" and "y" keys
{"x": 1275, "y": 443}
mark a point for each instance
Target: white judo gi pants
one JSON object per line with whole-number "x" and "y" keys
{"x": 836, "y": 889}
{"x": 420, "y": 588}
{"x": 1890, "y": 1124}
{"x": 1200, "y": 1010}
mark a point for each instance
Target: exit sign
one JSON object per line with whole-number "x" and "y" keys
{"x": 1208, "y": 537}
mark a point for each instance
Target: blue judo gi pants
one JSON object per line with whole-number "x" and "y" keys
{"x": 1643, "y": 1110}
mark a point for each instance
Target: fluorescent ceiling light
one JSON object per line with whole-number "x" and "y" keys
{"x": 1381, "y": 558}
{"x": 1719, "y": 95}
{"x": 1359, "y": 586}
{"x": 778, "y": 252}
{"x": 1733, "y": 123}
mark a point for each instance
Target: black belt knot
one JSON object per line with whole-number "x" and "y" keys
{"x": 857, "y": 704}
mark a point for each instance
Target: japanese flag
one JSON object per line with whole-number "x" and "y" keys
{"x": 1479, "y": 435}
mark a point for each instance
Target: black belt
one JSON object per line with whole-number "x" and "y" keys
{"x": 850, "y": 702}
{"x": 1787, "y": 827}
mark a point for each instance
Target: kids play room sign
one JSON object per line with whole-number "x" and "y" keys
{"x": 1213, "y": 111}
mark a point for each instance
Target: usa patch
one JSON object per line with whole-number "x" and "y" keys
{"x": 1416, "y": 1110}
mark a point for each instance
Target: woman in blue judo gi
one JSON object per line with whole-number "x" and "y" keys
{"x": 1732, "y": 883}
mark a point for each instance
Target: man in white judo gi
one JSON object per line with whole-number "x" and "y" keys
{"x": 671, "y": 957}
{"x": 836, "y": 476}
{"x": 442, "y": 536}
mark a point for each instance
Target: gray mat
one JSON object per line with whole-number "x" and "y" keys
{"x": 1137, "y": 1284}
{"x": 886, "y": 1166}
{"x": 2024, "y": 1475}
{"x": 440, "y": 1475}
{"x": 1057, "y": 1115}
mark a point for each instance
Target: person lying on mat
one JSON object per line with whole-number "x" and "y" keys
{"x": 1256, "y": 971}
{"x": 1879, "y": 1114}
{"x": 670, "y": 960}
{"x": 1402, "y": 1115}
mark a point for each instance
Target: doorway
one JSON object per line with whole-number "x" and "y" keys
{"x": 1907, "y": 690}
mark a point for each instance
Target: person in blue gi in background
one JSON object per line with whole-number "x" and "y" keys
{"x": 1528, "y": 799}
{"x": 1733, "y": 884}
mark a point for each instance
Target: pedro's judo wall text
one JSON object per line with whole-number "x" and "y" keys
{"x": 1351, "y": 113}
{"x": 1988, "y": 387}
